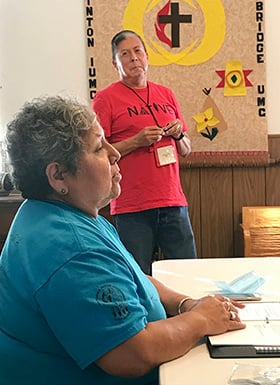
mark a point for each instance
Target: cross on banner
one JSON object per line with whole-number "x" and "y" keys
{"x": 175, "y": 19}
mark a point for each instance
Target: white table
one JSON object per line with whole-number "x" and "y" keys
{"x": 187, "y": 276}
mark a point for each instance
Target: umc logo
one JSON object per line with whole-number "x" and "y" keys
{"x": 185, "y": 32}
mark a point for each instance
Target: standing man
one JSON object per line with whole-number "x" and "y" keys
{"x": 143, "y": 121}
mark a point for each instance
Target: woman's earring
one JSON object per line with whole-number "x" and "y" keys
{"x": 63, "y": 191}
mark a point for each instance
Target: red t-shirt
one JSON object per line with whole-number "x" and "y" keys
{"x": 122, "y": 114}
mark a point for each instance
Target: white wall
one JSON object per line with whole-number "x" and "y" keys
{"x": 272, "y": 11}
{"x": 43, "y": 51}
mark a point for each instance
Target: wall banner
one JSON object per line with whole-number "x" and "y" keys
{"x": 211, "y": 53}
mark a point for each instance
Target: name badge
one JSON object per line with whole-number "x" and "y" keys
{"x": 165, "y": 155}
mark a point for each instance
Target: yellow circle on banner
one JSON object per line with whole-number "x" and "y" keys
{"x": 214, "y": 33}
{"x": 234, "y": 78}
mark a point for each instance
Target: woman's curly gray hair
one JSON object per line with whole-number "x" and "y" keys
{"x": 45, "y": 130}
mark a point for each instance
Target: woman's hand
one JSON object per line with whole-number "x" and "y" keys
{"x": 220, "y": 312}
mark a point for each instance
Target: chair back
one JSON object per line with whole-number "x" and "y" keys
{"x": 261, "y": 231}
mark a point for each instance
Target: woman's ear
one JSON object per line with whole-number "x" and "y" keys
{"x": 55, "y": 174}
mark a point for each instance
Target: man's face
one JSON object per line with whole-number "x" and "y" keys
{"x": 131, "y": 58}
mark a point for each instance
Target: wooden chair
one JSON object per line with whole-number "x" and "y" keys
{"x": 261, "y": 231}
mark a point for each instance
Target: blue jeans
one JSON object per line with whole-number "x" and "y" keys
{"x": 144, "y": 232}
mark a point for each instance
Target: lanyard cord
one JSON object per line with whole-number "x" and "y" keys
{"x": 147, "y": 103}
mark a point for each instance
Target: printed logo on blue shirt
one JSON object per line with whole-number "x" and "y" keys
{"x": 114, "y": 298}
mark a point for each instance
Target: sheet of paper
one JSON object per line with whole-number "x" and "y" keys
{"x": 256, "y": 333}
{"x": 260, "y": 311}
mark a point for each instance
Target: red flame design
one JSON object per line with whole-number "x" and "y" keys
{"x": 159, "y": 27}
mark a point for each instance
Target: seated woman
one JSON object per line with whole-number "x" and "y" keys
{"x": 75, "y": 308}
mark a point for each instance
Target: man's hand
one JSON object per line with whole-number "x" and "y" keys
{"x": 149, "y": 135}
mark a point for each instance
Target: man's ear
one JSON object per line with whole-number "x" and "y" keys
{"x": 55, "y": 174}
{"x": 115, "y": 65}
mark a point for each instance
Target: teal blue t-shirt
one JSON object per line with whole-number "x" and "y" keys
{"x": 69, "y": 293}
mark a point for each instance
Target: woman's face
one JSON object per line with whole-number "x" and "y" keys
{"x": 97, "y": 179}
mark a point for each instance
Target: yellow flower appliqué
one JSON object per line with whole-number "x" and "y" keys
{"x": 205, "y": 119}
